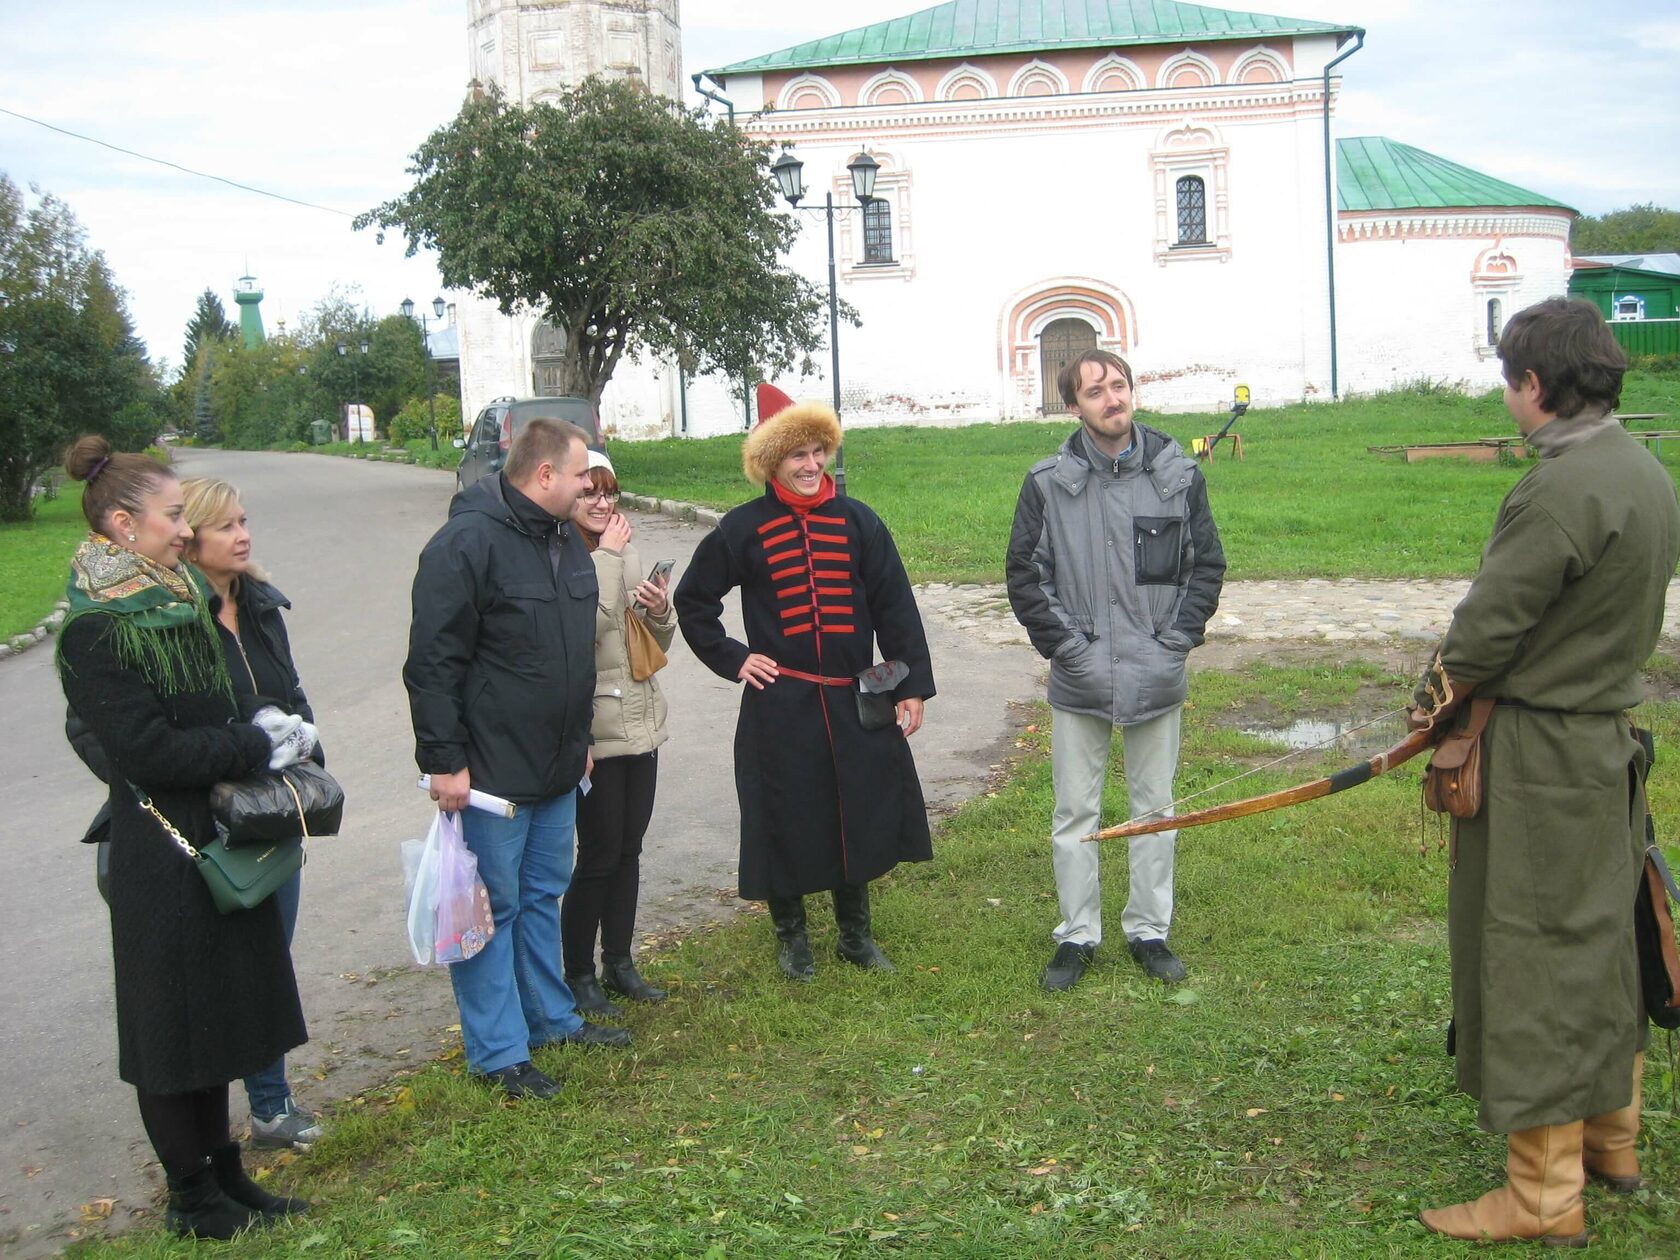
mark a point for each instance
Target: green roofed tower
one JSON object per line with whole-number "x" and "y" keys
{"x": 970, "y": 28}
{"x": 249, "y": 297}
{"x": 1376, "y": 173}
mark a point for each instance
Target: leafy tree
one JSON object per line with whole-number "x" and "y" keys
{"x": 209, "y": 325}
{"x": 69, "y": 360}
{"x": 629, "y": 222}
{"x": 1646, "y": 229}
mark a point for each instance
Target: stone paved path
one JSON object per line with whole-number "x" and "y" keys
{"x": 1346, "y": 610}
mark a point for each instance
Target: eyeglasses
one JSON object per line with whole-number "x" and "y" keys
{"x": 600, "y": 496}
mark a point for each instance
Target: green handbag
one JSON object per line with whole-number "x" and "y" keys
{"x": 240, "y": 878}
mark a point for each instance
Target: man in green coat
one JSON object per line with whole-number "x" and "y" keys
{"x": 1562, "y": 616}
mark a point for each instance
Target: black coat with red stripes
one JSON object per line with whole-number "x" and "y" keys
{"x": 823, "y": 802}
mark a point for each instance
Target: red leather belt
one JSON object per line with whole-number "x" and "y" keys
{"x": 782, "y": 671}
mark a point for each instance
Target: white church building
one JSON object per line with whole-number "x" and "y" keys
{"x": 1156, "y": 179}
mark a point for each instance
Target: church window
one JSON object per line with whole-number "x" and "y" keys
{"x": 1630, "y": 307}
{"x": 1192, "y": 211}
{"x": 1495, "y": 320}
{"x": 877, "y": 231}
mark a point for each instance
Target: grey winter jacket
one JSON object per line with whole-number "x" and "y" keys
{"x": 1114, "y": 575}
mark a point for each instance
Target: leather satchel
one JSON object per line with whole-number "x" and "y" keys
{"x": 1653, "y": 926}
{"x": 642, "y": 650}
{"x": 239, "y": 877}
{"x": 273, "y": 805}
{"x": 1452, "y": 782}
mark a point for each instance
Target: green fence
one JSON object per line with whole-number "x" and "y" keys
{"x": 1647, "y": 336}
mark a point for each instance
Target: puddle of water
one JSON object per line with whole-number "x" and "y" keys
{"x": 1320, "y": 732}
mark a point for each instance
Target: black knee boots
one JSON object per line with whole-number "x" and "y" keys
{"x": 851, "y": 916}
{"x": 793, "y": 952}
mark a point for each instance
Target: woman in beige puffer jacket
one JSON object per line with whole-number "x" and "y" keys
{"x": 628, "y": 729}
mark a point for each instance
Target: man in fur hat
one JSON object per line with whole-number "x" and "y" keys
{"x": 829, "y": 801}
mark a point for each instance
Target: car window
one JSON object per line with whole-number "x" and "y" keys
{"x": 486, "y": 433}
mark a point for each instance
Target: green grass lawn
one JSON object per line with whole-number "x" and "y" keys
{"x": 1307, "y": 501}
{"x": 1291, "y": 1100}
{"x": 35, "y": 559}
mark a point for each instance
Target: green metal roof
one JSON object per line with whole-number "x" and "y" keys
{"x": 1376, "y": 173}
{"x": 967, "y": 28}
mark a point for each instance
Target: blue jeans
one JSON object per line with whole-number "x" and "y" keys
{"x": 267, "y": 1090}
{"x": 512, "y": 994}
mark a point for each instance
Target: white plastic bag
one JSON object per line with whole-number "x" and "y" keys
{"x": 464, "y": 921}
{"x": 420, "y": 870}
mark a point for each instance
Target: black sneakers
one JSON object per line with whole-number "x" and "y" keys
{"x": 1067, "y": 966}
{"x": 1157, "y": 961}
{"x": 523, "y": 1080}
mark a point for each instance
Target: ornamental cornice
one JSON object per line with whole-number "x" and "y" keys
{"x": 1247, "y": 103}
{"x": 1408, "y": 225}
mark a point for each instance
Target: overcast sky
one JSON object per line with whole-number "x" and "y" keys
{"x": 323, "y": 100}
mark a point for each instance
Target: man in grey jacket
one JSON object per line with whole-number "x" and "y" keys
{"x": 1114, "y": 568}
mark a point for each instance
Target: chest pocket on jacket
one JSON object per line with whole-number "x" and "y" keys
{"x": 1156, "y": 549}
{"x": 519, "y": 619}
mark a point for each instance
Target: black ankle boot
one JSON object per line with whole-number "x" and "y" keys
{"x": 793, "y": 954}
{"x": 851, "y": 916}
{"x": 200, "y": 1208}
{"x": 618, "y": 973}
{"x": 586, "y": 989}
{"x": 231, "y": 1177}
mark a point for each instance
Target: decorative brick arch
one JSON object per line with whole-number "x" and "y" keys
{"x": 1261, "y": 65}
{"x": 1029, "y": 311}
{"x": 1495, "y": 268}
{"x": 1115, "y": 73}
{"x": 1187, "y": 70}
{"x": 966, "y": 83}
{"x": 808, "y": 91}
{"x": 890, "y": 87}
{"x": 1038, "y": 78}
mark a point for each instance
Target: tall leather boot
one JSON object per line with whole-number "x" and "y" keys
{"x": 238, "y": 1186}
{"x": 1541, "y": 1198}
{"x": 851, "y": 916}
{"x": 793, "y": 953}
{"x": 200, "y": 1208}
{"x": 1608, "y": 1141}
{"x": 618, "y": 973}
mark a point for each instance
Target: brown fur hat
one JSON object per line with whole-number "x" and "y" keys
{"x": 784, "y": 429}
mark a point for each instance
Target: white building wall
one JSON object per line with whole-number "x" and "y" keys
{"x": 995, "y": 200}
{"x": 1413, "y": 289}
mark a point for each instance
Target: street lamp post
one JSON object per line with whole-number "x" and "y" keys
{"x": 356, "y": 380}
{"x": 789, "y": 173}
{"x": 430, "y": 382}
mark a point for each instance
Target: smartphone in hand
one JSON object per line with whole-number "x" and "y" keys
{"x": 662, "y": 570}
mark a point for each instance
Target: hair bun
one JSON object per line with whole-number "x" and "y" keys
{"x": 87, "y": 457}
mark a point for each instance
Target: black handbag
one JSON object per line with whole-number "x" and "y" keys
{"x": 239, "y": 878}
{"x": 301, "y": 800}
{"x": 1653, "y": 919}
{"x": 877, "y": 709}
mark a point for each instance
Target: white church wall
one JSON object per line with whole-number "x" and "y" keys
{"x": 998, "y": 200}
{"x": 1413, "y": 290}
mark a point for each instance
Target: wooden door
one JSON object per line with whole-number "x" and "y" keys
{"x": 1061, "y": 342}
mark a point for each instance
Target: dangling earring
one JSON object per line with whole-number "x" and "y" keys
{"x": 132, "y": 538}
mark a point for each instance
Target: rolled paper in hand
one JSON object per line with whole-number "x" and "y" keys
{"x": 477, "y": 800}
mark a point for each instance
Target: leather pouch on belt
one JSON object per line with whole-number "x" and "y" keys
{"x": 1452, "y": 783}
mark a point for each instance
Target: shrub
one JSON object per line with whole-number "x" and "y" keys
{"x": 415, "y": 421}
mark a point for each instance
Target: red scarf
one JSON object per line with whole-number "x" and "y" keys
{"x": 803, "y": 504}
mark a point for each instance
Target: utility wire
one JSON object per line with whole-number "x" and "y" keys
{"x": 146, "y": 157}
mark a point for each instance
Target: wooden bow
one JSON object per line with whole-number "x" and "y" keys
{"x": 1353, "y": 776}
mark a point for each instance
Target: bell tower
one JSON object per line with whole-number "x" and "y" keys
{"x": 534, "y": 48}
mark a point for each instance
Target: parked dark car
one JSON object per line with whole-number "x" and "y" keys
{"x": 485, "y": 447}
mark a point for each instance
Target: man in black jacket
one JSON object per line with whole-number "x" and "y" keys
{"x": 501, "y": 682}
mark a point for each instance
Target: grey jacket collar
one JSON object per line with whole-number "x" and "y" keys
{"x": 1163, "y": 461}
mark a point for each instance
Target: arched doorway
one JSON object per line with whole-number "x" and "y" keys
{"x": 1062, "y": 341}
{"x": 548, "y": 352}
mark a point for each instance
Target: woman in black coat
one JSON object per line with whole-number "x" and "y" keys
{"x": 202, "y": 998}
{"x": 826, "y": 805}
{"x": 246, "y": 609}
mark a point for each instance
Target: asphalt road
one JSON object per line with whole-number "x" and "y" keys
{"x": 340, "y": 537}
